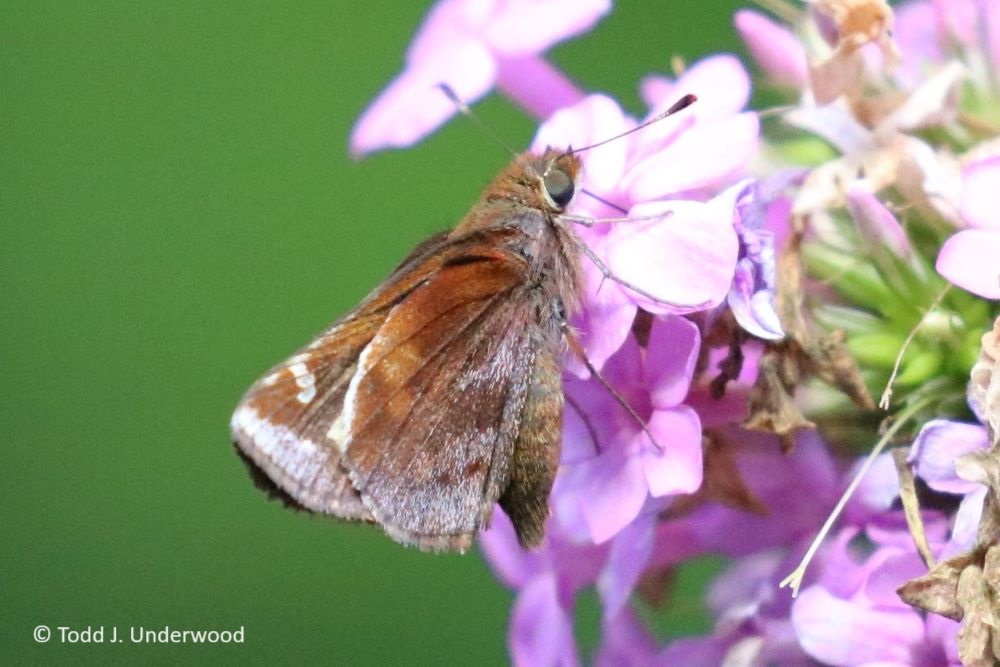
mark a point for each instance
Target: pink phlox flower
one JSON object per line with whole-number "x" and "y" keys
{"x": 609, "y": 465}
{"x": 776, "y": 480}
{"x": 708, "y": 146}
{"x": 969, "y": 258}
{"x": 875, "y": 223}
{"x": 853, "y": 616}
{"x": 690, "y": 155}
{"x": 546, "y": 580}
{"x": 682, "y": 252}
{"x": 751, "y": 624}
{"x": 472, "y": 46}
{"x": 751, "y": 611}
{"x": 751, "y": 296}
{"x": 850, "y": 595}
{"x": 751, "y": 616}
{"x": 936, "y": 450}
{"x": 629, "y": 552}
{"x": 937, "y": 446}
{"x": 930, "y": 32}
{"x": 776, "y": 49}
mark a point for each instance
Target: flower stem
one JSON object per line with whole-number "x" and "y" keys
{"x": 794, "y": 579}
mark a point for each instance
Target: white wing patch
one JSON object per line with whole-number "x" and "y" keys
{"x": 305, "y": 380}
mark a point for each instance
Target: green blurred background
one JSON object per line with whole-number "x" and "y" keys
{"x": 179, "y": 212}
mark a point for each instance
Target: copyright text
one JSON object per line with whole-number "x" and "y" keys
{"x": 135, "y": 635}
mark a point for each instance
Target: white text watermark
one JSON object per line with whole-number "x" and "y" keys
{"x": 112, "y": 634}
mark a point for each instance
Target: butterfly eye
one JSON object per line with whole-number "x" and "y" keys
{"x": 559, "y": 187}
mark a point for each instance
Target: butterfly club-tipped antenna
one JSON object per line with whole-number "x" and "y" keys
{"x": 681, "y": 104}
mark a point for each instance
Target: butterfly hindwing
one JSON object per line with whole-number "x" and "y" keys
{"x": 537, "y": 447}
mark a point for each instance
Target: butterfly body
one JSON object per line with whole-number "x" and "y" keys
{"x": 440, "y": 394}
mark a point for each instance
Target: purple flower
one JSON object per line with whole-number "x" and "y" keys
{"x": 852, "y": 614}
{"x": 751, "y": 297}
{"x": 693, "y": 154}
{"x": 937, "y": 446}
{"x": 661, "y": 254}
{"x": 610, "y": 464}
{"x": 935, "y": 455}
{"x": 777, "y": 50}
{"x": 969, "y": 259}
{"x": 773, "y": 478}
{"x": 546, "y": 580}
{"x": 472, "y": 46}
{"x": 690, "y": 155}
{"x": 752, "y": 615}
{"x": 875, "y": 223}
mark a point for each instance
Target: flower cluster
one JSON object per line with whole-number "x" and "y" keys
{"x": 775, "y": 263}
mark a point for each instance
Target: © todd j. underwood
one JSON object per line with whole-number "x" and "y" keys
{"x": 143, "y": 635}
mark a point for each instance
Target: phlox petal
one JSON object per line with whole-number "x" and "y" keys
{"x": 980, "y": 184}
{"x": 670, "y": 360}
{"x": 412, "y": 106}
{"x": 720, "y": 83}
{"x": 677, "y": 467}
{"x": 840, "y": 632}
{"x": 532, "y": 26}
{"x": 511, "y": 563}
{"x": 613, "y": 489}
{"x": 541, "y": 631}
{"x": 685, "y": 259}
{"x": 706, "y": 154}
{"x": 604, "y": 323}
{"x": 775, "y": 48}
{"x": 971, "y": 260}
{"x": 937, "y": 446}
{"x": 630, "y": 551}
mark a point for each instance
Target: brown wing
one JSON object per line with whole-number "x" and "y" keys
{"x": 281, "y": 424}
{"x": 536, "y": 454}
{"x": 433, "y": 413}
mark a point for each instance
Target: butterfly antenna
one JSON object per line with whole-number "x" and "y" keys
{"x": 465, "y": 110}
{"x": 679, "y": 105}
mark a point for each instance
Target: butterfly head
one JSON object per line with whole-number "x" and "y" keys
{"x": 557, "y": 172}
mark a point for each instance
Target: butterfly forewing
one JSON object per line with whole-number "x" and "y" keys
{"x": 435, "y": 405}
{"x": 282, "y": 423}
